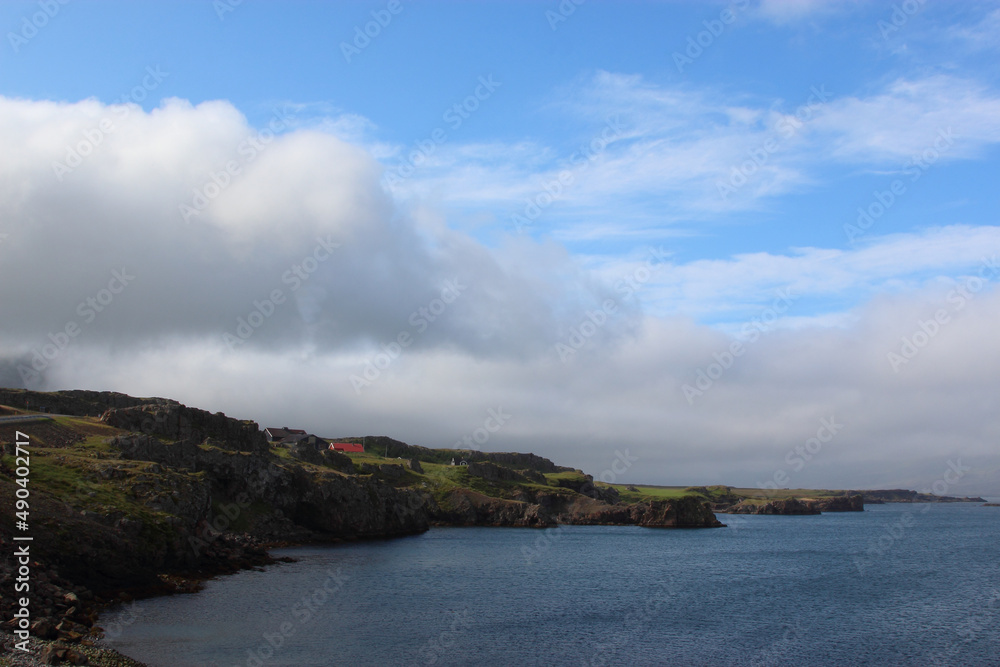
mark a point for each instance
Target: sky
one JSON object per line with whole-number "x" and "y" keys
{"x": 751, "y": 243}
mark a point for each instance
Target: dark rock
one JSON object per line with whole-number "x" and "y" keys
{"x": 584, "y": 484}
{"x": 390, "y": 471}
{"x": 306, "y": 452}
{"x": 686, "y": 512}
{"x": 179, "y": 422}
{"x": 338, "y": 461}
{"x": 491, "y": 472}
{"x": 533, "y": 476}
{"x": 43, "y": 629}
{"x": 414, "y": 465}
{"x": 57, "y": 654}
{"x": 469, "y": 508}
{"x": 853, "y": 503}
{"x": 792, "y": 506}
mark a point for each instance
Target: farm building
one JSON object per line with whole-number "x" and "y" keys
{"x": 347, "y": 447}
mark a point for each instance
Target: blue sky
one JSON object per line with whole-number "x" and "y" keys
{"x": 739, "y": 163}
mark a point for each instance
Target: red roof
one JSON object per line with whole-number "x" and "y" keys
{"x": 347, "y": 447}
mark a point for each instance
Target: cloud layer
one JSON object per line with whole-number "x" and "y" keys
{"x": 268, "y": 273}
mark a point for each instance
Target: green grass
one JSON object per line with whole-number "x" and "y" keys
{"x": 718, "y": 493}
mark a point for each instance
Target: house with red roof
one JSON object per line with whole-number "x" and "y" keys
{"x": 347, "y": 447}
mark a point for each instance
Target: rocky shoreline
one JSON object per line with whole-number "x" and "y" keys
{"x": 799, "y": 506}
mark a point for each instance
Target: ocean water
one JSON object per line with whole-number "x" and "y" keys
{"x": 897, "y": 584}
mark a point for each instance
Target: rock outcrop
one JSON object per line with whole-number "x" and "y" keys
{"x": 180, "y": 423}
{"x": 877, "y": 497}
{"x": 77, "y": 402}
{"x": 463, "y": 507}
{"x": 584, "y": 484}
{"x": 325, "y": 501}
{"x": 853, "y": 503}
{"x": 688, "y": 512}
{"x": 491, "y": 472}
{"x": 786, "y": 506}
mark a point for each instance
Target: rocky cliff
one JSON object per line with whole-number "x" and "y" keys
{"x": 793, "y": 506}
{"x": 786, "y": 506}
{"x": 880, "y": 496}
{"x": 852, "y": 503}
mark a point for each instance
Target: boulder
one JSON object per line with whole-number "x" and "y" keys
{"x": 58, "y": 654}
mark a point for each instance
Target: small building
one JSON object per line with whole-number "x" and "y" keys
{"x": 278, "y": 434}
{"x": 356, "y": 447}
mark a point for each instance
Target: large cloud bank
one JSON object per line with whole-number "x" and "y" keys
{"x": 265, "y": 272}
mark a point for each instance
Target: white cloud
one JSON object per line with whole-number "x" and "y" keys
{"x": 680, "y": 156}
{"x": 983, "y": 35}
{"x": 790, "y": 11}
{"x": 494, "y": 344}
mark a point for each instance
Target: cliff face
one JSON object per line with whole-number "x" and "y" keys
{"x": 880, "y": 496}
{"x": 180, "y": 423}
{"x": 788, "y": 506}
{"x": 794, "y": 506}
{"x": 75, "y": 402}
{"x": 316, "y": 499}
{"x": 463, "y": 507}
{"x": 854, "y": 503}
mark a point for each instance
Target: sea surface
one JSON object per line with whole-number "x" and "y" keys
{"x": 898, "y": 584}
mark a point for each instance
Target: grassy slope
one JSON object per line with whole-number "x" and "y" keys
{"x": 718, "y": 493}
{"x": 69, "y": 449}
